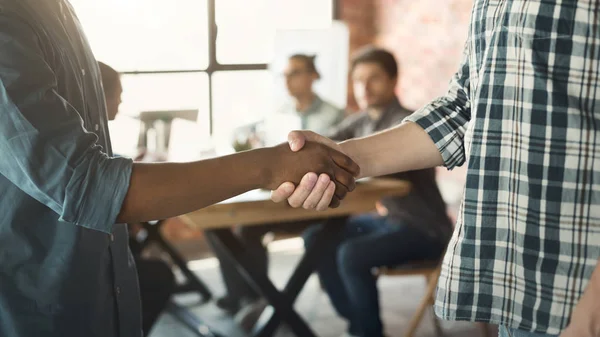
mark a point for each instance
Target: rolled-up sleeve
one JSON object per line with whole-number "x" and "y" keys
{"x": 446, "y": 118}
{"x": 44, "y": 147}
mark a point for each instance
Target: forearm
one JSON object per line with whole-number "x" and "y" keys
{"x": 406, "y": 147}
{"x": 592, "y": 294}
{"x": 585, "y": 319}
{"x": 163, "y": 190}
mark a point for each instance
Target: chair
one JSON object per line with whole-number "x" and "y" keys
{"x": 431, "y": 271}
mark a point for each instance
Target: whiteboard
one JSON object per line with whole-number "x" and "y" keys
{"x": 331, "y": 46}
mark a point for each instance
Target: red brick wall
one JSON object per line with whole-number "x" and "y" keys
{"x": 360, "y": 16}
{"x": 426, "y": 36}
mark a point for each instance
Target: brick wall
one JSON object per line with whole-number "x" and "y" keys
{"x": 360, "y": 16}
{"x": 427, "y": 37}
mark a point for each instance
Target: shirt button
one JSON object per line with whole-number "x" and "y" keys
{"x": 112, "y": 237}
{"x": 96, "y": 127}
{"x": 118, "y": 290}
{"x": 83, "y": 72}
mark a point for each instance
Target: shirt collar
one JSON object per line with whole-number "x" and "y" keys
{"x": 391, "y": 108}
{"x": 315, "y": 106}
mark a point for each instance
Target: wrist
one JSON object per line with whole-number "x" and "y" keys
{"x": 351, "y": 148}
{"x": 266, "y": 167}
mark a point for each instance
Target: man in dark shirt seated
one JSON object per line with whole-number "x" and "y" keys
{"x": 409, "y": 228}
{"x": 155, "y": 277}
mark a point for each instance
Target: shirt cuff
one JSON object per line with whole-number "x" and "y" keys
{"x": 445, "y": 132}
{"x": 101, "y": 184}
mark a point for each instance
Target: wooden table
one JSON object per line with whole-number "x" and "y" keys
{"x": 256, "y": 208}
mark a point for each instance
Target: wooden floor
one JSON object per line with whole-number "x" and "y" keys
{"x": 399, "y": 297}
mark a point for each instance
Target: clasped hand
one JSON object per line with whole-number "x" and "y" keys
{"x": 315, "y": 191}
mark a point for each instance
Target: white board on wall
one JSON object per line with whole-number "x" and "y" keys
{"x": 331, "y": 46}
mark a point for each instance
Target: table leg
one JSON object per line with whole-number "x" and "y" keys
{"x": 301, "y": 274}
{"x": 245, "y": 263}
{"x": 194, "y": 284}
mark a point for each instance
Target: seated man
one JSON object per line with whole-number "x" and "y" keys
{"x": 414, "y": 227}
{"x": 306, "y": 110}
{"x": 155, "y": 277}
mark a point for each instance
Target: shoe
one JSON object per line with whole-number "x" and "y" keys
{"x": 229, "y": 304}
{"x": 249, "y": 314}
{"x": 347, "y": 334}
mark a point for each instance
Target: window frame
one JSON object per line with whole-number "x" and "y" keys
{"x": 213, "y": 64}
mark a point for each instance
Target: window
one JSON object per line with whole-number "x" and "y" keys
{"x": 210, "y": 55}
{"x": 167, "y": 91}
{"x": 237, "y": 18}
{"x": 147, "y": 35}
{"x": 253, "y": 90}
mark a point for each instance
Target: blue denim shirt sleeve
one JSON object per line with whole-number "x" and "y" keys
{"x": 45, "y": 148}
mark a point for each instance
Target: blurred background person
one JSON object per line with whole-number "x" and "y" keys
{"x": 303, "y": 109}
{"x": 315, "y": 114}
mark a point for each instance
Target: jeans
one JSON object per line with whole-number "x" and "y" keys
{"x": 346, "y": 268}
{"x": 508, "y": 332}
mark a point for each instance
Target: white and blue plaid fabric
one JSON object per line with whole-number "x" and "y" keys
{"x": 523, "y": 112}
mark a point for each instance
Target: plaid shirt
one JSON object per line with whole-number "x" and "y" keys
{"x": 523, "y": 112}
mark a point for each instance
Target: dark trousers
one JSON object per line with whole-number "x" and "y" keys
{"x": 346, "y": 268}
{"x": 156, "y": 287}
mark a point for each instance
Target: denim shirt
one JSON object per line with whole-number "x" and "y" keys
{"x": 65, "y": 267}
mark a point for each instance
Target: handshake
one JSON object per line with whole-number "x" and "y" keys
{"x": 317, "y": 165}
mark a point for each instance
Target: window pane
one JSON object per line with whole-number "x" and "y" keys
{"x": 124, "y": 131}
{"x": 143, "y": 35}
{"x": 245, "y": 31}
{"x": 240, "y": 98}
{"x": 147, "y": 92}
{"x": 150, "y": 92}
